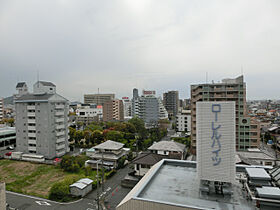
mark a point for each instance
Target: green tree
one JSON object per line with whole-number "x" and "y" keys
{"x": 140, "y": 127}
{"x": 114, "y": 136}
{"x": 59, "y": 191}
{"x": 97, "y": 137}
{"x": 72, "y": 133}
{"x": 79, "y": 135}
{"x": 87, "y": 135}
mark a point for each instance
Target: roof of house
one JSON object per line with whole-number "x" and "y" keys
{"x": 148, "y": 158}
{"x": 109, "y": 145}
{"x": 31, "y": 97}
{"x": 239, "y": 159}
{"x": 47, "y": 83}
{"x": 168, "y": 146}
{"x": 20, "y": 84}
{"x": 86, "y": 181}
{"x": 78, "y": 185}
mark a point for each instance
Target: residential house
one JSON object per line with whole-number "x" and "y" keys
{"x": 108, "y": 152}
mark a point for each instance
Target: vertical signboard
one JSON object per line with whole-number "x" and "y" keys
{"x": 215, "y": 134}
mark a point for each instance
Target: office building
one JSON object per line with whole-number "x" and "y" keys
{"x": 1, "y": 109}
{"x": 88, "y": 113}
{"x": 98, "y": 99}
{"x": 171, "y": 103}
{"x": 42, "y": 121}
{"x": 227, "y": 90}
{"x": 113, "y": 110}
{"x": 148, "y": 107}
{"x": 183, "y": 121}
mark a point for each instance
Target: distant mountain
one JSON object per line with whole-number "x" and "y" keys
{"x": 9, "y": 100}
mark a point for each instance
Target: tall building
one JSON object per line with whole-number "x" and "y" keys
{"x": 148, "y": 107}
{"x": 171, "y": 102}
{"x": 98, "y": 99}
{"x": 42, "y": 121}
{"x": 227, "y": 90}
{"x": 113, "y": 111}
{"x": 127, "y": 106}
{"x": 1, "y": 108}
{"x": 183, "y": 121}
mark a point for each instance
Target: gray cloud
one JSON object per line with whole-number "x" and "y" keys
{"x": 159, "y": 44}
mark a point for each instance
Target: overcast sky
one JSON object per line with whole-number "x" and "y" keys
{"x": 149, "y": 44}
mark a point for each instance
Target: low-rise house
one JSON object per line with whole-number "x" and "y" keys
{"x": 144, "y": 161}
{"x": 171, "y": 149}
{"x": 109, "y": 152}
{"x": 81, "y": 187}
{"x": 262, "y": 157}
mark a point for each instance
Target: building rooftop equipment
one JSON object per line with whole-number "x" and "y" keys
{"x": 109, "y": 145}
{"x": 168, "y": 146}
{"x": 268, "y": 192}
{"x": 258, "y": 173}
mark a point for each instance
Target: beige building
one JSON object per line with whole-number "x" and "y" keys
{"x": 98, "y": 99}
{"x": 113, "y": 110}
{"x": 247, "y": 129}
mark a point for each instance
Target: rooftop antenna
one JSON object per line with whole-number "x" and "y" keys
{"x": 37, "y": 78}
{"x": 241, "y": 70}
{"x": 206, "y": 77}
{"x": 97, "y": 96}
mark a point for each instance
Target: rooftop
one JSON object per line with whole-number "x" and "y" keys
{"x": 168, "y": 146}
{"x": 47, "y": 83}
{"x": 175, "y": 182}
{"x": 7, "y": 130}
{"x": 109, "y": 145}
{"x": 258, "y": 173}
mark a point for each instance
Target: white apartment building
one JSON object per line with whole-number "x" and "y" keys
{"x": 183, "y": 121}
{"x": 127, "y": 106}
{"x": 1, "y": 108}
{"x": 42, "y": 121}
{"x": 88, "y": 113}
{"x": 148, "y": 107}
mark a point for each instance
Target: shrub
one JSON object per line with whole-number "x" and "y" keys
{"x": 59, "y": 191}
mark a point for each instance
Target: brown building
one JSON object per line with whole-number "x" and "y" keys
{"x": 113, "y": 110}
{"x": 247, "y": 130}
{"x": 171, "y": 103}
{"x": 98, "y": 99}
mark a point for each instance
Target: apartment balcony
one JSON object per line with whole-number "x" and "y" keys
{"x": 58, "y": 127}
{"x": 31, "y": 141}
{"x": 31, "y": 148}
{"x": 31, "y": 107}
{"x": 59, "y": 147}
{"x": 31, "y": 121}
{"x": 61, "y": 133}
{"x": 59, "y": 120}
{"x": 59, "y": 113}
{"x": 59, "y": 140}
{"x": 31, "y": 128}
{"x": 32, "y": 135}
{"x": 31, "y": 114}
{"x": 59, "y": 107}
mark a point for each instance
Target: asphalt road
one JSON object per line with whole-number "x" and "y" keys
{"x": 24, "y": 202}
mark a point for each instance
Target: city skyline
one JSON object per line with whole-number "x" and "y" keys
{"x": 118, "y": 46}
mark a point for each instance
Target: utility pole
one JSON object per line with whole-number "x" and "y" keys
{"x": 97, "y": 187}
{"x": 102, "y": 171}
